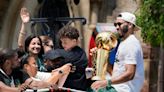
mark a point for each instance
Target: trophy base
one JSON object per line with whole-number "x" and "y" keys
{"x": 96, "y": 78}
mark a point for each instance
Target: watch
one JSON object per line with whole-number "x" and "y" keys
{"x": 60, "y": 72}
{"x": 109, "y": 82}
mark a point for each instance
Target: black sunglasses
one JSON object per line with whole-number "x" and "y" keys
{"x": 119, "y": 24}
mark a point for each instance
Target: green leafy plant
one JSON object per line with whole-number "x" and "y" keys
{"x": 151, "y": 20}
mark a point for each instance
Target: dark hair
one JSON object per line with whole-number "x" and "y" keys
{"x": 45, "y": 38}
{"x": 20, "y": 52}
{"x": 68, "y": 32}
{"x": 119, "y": 15}
{"x": 5, "y": 54}
{"x": 27, "y": 43}
{"x": 24, "y": 60}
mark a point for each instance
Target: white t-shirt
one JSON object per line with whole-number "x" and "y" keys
{"x": 44, "y": 76}
{"x": 107, "y": 76}
{"x": 129, "y": 52}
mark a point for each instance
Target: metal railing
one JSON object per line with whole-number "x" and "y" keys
{"x": 60, "y": 89}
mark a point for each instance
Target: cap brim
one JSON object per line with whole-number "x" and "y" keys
{"x": 58, "y": 57}
{"x": 54, "y": 57}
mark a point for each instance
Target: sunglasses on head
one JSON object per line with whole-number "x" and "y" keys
{"x": 119, "y": 24}
{"x": 51, "y": 46}
{"x": 46, "y": 44}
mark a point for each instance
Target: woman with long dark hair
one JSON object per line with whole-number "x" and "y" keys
{"x": 33, "y": 47}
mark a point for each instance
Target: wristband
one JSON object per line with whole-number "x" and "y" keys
{"x": 22, "y": 33}
{"x": 109, "y": 83}
{"x": 60, "y": 72}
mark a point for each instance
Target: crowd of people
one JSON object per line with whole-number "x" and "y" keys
{"x": 36, "y": 64}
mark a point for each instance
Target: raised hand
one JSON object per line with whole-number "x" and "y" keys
{"x": 25, "y": 16}
{"x": 99, "y": 84}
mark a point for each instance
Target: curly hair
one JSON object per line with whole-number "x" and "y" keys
{"x": 68, "y": 32}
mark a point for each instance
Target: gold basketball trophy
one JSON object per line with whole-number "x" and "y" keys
{"x": 105, "y": 41}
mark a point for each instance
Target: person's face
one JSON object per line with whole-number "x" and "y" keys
{"x": 120, "y": 26}
{"x": 15, "y": 61}
{"x": 68, "y": 44}
{"x": 48, "y": 46}
{"x": 11, "y": 64}
{"x": 31, "y": 67}
{"x": 34, "y": 46}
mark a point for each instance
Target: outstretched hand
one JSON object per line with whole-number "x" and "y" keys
{"x": 99, "y": 84}
{"x": 93, "y": 51}
{"x": 23, "y": 87}
{"x": 25, "y": 16}
{"x": 65, "y": 68}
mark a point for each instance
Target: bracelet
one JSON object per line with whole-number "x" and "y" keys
{"x": 23, "y": 33}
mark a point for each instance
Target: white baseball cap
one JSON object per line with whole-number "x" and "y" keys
{"x": 129, "y": 17}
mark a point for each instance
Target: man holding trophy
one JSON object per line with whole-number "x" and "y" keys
{"x": 128, "y": 71}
